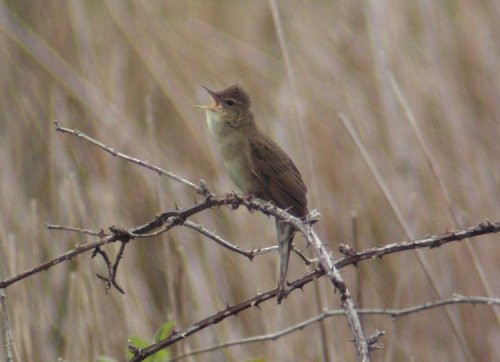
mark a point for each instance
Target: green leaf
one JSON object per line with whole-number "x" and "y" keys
{"x": 164, "y": 331}
{"x": 160, "y": 356}
{"x": 136, "y": 342}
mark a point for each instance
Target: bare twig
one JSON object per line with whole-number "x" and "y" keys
{"x": 483, "y": 228}
{"x": 250, "y": 254}
{"x": 110, "y": 280}
{"x": 109, "y": 266}
{"x": 80, "y": 249}
{"x": 157, "y": 232}
{"x": 301, "y": 255}
{"x": 119, "y": 256}
{"x": 127, "y": 158}
{"x": 326, "y": 262}
{"x": 141, "y": 354}
{"x": 175, "y": 218}
{"x": 7, "y": 334}
{"x": 427, "y": 242}
{"x": 78, "y": 230}
{"x": 124, "y": 237}
{"x": 394, "y": 313}
{"x": 324, "y": 257}
{"x": 455, "y": 299}
{"x": 202, "y": 230}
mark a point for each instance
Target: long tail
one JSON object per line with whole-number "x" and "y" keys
{"x": 285, "y": 233}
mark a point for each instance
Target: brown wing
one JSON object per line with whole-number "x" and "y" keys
{"x": 279, "y": 175}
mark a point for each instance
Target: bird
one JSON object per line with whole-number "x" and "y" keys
{"x": 256, "y": 164}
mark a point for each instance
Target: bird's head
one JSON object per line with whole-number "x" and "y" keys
{"x": 231, "y": 105}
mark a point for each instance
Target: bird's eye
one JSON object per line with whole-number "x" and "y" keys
{"x": 229, "y": 102}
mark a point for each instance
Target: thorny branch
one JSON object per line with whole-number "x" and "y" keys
{"x": 173, "y": 218}
{"x": 200, "y": 189}
{"x": 393, "y": 313}
{"x": 110, "y": 279}
{"x": 356, "y": 257}
{"x": 6, "y": 331}
{"x": 323, "y": 255}
{"x": 167, "y": 220}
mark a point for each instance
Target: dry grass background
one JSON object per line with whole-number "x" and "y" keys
{"x": 129, "y": 72}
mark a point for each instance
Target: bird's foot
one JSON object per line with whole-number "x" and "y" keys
{"x": 248, "y": 197}
{"x": 283, "y": 292}
{"x": 227, "y": 196}
{"x": 234, "y": 199}
{"x": 231, "y": 199}
{"x": 312, "y": 217}
{"x": 239, "y": 195}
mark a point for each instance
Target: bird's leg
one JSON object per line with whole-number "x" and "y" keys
{"x": 312, "y": 217}
{"x": 243, "y": 196}
{"x": 227, "y": 196}
{"x": 232, "y": 200}
{"x": 285, "y": 233}
{"x": 238, "y": 196}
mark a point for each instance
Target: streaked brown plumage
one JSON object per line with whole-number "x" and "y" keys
{"x": 256, "y": 164}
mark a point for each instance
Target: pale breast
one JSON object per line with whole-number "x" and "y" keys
{"x": 239, "y": 171}
{"x": 236, "y": 155}
{"x": 214, "y": 123}
{"x": 234, "y": 147}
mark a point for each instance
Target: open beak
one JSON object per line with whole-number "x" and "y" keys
{"x": 214, "y": 96}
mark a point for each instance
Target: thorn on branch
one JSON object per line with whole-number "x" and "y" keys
{"x": 312, "y": 217}
{"x": 110, "y": 279}
{"x": 347, "y": 250}
{"x": 342, "y": 289}
{"x": 133, "y": 349}
{"x": 232, "y": 200}
{"x": 248, "y": 197}
{"x": 373, "y": 341}
{"x": 121, "y": 234}
{"x": 204, "y": 190}
{"x": 98, "y": 250}
{"x": 487, "y": 226}
{"x": 175, "y": 220}
{"x": 444, "y": 238}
